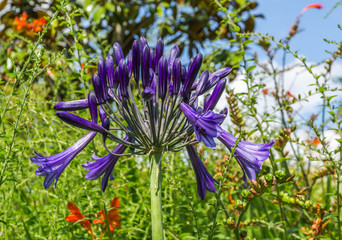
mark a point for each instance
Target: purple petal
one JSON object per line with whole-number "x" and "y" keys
{"x": 79, "y": 122}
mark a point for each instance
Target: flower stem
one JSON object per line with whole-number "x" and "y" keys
{"x": 156, "y": 195}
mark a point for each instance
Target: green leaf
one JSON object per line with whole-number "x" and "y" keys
{"x": 99, "y": 14}
{"x": 250, "y": 68}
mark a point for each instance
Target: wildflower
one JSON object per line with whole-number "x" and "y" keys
{"x": 291, "y": 95}
{"x": 112, "y": 215}
{"x": 104, "y": 165}
{"x": 36, "y": 25}
{"x": 315, "y": 5}
{"x": 315, "y": 142}
{"x": 206, "y": 126}
{"x": 21, "y": 22}
{"x": 53, "y": 166}
{"x": 76, "y": 216}
{"x": 265, "y": 91}
{"x": 157, "y": 111}
{"x": 249, "y": 156}
{"x": 204, "y": 180}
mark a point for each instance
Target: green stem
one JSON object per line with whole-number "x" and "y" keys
{"x": 156, "y": 195}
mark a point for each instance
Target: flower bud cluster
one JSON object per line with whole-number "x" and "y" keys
{"x": 284, "y": 137}
{"x": 260, "y": 186}
{"x": 325, "y": 171}
{"x": 299, "y": 201}
{"x": 234, "y": 111}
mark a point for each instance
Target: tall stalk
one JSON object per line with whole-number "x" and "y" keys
{"x": 156, "y": 195}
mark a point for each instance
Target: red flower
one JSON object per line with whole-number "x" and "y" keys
{"x": 112, "y": 214}
{"x": 76, "y": 216}
{"x": 21, "y": 22}
{"x": 315, "y": 142}
{"x": 315, "y": 5}
{"x": 35, "y": 26}
{"x": 265, "y": 91}
{"x": 291, "y": 95}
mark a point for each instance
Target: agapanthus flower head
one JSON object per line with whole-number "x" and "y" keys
{"x": 151, "y": 99}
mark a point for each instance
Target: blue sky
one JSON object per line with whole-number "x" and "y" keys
{"x": 281, "y": 14}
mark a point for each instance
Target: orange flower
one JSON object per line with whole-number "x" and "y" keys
{"x": 315, "y": 142}
{"x": 76, "y": 216}
{"x": 265, "y": 91}
{"x": 291, "y": 95}
{"x": 315, "y": 5}
{"x": 21, "y": 22}
{"x": 112, "y": 214}
{"x": 35, "y": 26}
{"x": 38, "y": 24}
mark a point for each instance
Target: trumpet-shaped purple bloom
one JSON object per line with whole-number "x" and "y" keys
{"x": 250, "y": 156}
{"x": 204, "y": 180}
{"x": 104, "y": 165}
{"x": 53, "y": 166}
{"x": 206, "y": 126}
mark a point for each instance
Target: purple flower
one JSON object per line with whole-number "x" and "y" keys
{"x": 177, "y": 78}
{"x": 158, "y": 53}
{"x": 72, "y": 105}
{"x": 145, "y": 66}
{"x": 118, "y": 54}
{"x": 193, "y": 69}
{"x": 124, "y": 78}
{"x": 211, "y": 102}
{"x": 97, "y": 84}
{"x": 136, "y": 60}
{"x": 202, "y": 82}
{"x": 162, "y": 77}
{"x": 213, "y": 79}
{"x": 206, "y": 126}
{"x": 53, "y": 166}
{"x": 80, "y": 122}
{"x": 153, "y": 115}
{"x": 250, "y": 156}
{"x": 110, "y": 70}
{"x": 104, "y": 165}
{"x": 173, "y": 55}
{"x": 101, "y": 68}
{"x": 204, "y": 180}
